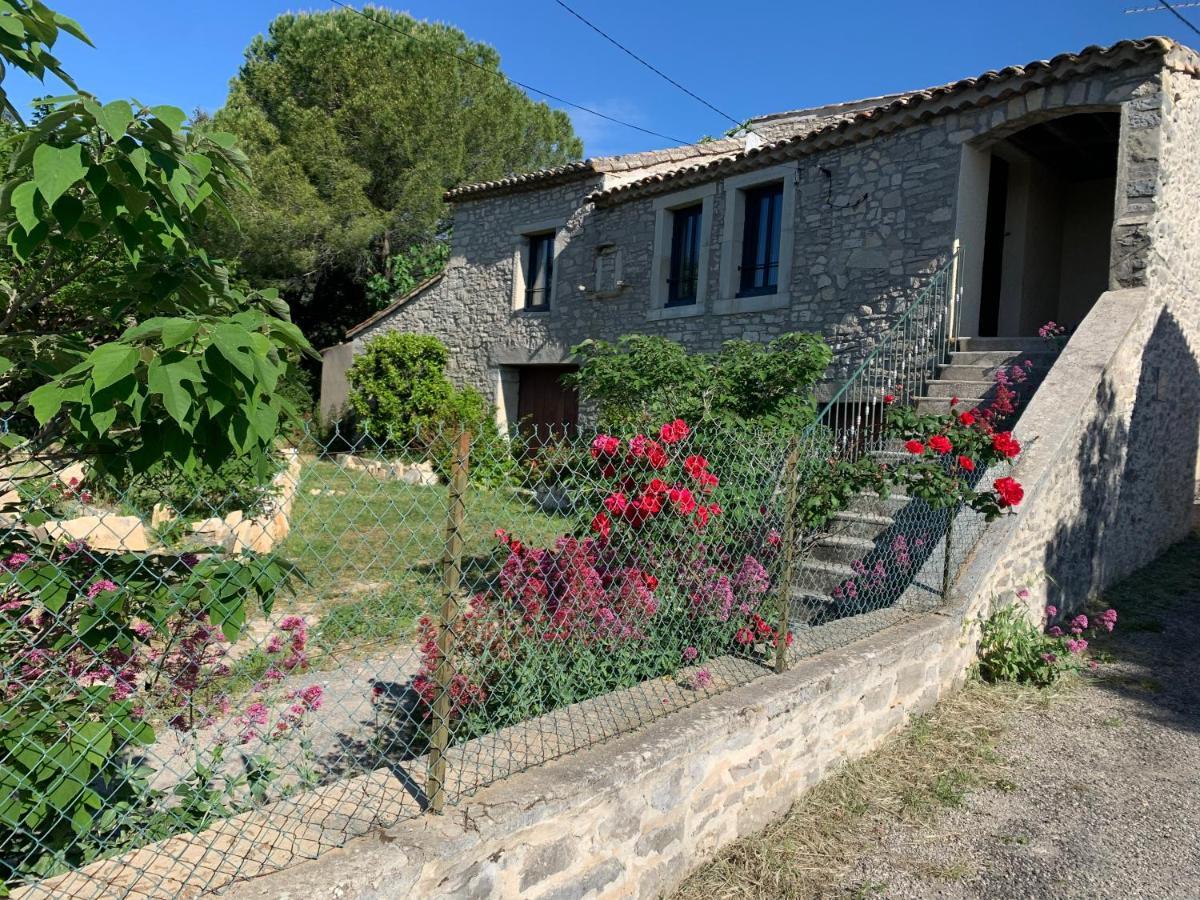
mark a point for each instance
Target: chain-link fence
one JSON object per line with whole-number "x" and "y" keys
{"x": 204, "y": 679}
{"x": 208, "y": 676}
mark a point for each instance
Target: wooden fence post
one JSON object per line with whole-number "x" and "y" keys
{"x": 787, "y": 572}
{"x": 435, "y": 783}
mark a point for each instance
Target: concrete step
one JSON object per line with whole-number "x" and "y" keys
{"x": 861, "y": 524}
{"x": 1041, "y": 360}
{"x": 841, "y": 548}
{"x": 820, "y": 577}
{"x": 955, "y": 388}
{"x": 874, "y": 505}
{"x": 988, "y": 372}
{"x": 941, "y": 405}
{"x": 1015, "y": 344}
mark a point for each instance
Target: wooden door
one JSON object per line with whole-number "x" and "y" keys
{"x": 545, "y": 406}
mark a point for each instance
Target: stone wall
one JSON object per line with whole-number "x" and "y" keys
{"x": 872, "y": 218}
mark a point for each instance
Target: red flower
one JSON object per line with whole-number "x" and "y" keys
{"x": 616, "y": 503}
{"x": 606, "y": 445}
{"x": 1009, "y": 491}
{"x": 709, "y": 481}
{"x": 650, "y": 503}
{"x": 965, "y": 462}
{"x": 966, "y": 419}
{"x": 601, "y": 525}
{"x": 651, "y": 581}
{"x": 695, "y": 465}
{"x": 954, "y": 401}
{"x": 656, "y": 486}
{"x": 674, "y": 431}
{"x": 939, "y": 443}
{"x": 915, "y": 447}
{"x": 656, "y": 455}
{"x": 1004, "y": 443}
{"x": 700, "y": 518}
{"x": 744, "y": 636}
{"x": 889, "y": 399}
{"x": 683, "y": 500}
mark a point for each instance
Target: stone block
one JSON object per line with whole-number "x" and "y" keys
{"x": 110, "y": 533}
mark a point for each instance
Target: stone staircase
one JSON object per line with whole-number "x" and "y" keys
{"x": 899, "y": 533}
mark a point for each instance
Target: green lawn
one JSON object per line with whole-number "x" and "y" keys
{"x": 370, "y": 549}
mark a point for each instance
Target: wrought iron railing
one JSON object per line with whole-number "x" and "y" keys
{"x": 897, "y": 368}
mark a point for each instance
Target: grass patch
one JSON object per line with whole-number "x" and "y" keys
{"x": 370, "y": 549}
{"x": 929, "y": 767}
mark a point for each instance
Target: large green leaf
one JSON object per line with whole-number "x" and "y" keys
{"x": 56, "y": 169}
{"x": 112, "y": 362}
{"x": 23, "y": 199}
{"x": 115, "y": 118}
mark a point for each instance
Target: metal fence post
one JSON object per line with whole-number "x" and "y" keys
{"x": 789, "y": 551}
{"x": 435, "y": 786}
{"x": 951, "y": 514}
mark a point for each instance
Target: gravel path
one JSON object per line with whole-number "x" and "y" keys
{"x": 1105, "y": 800}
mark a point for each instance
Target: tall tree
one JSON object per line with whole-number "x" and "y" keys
{"x": 354, "y": 130}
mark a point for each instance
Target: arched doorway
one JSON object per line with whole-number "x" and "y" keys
{"x": 1040, "y": 201}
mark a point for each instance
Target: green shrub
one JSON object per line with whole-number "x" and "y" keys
{"x": 642, "y": 380}
{"x": 398, "y": 386}
{"x": 400, "y": 395}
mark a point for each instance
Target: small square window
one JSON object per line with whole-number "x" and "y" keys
{"x": 539, "y": 270}
{"x": 683, "y": 274}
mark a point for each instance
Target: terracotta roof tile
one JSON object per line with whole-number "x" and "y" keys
{"x": 903, "y": 109}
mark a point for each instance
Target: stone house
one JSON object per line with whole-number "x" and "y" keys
{"x": 1047, "y": 175}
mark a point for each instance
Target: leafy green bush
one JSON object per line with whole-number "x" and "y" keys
{"x": 643, "y": 379}
{"x": 398, "y": 386}
{"x": 400, "y": 395}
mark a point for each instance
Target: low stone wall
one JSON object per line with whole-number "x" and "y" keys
{"x": 631, "y": 817}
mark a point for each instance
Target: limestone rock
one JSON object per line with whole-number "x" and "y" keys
{"x": 107, "y": 532}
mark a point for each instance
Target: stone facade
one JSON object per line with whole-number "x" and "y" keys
{"x": 873, "y": 214}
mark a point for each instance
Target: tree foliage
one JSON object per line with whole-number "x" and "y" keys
{"x": 120, "y": 336}
{"x": 354, "y": 131}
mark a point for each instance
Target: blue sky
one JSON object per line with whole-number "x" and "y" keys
{"x": 747, "y": 57}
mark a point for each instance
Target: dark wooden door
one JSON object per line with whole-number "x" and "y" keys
{"x": 545, "y": 406}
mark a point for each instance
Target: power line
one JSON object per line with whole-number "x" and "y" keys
{"x": 1150, "y": 9}
{"x": 661, "y": 74}
{"x": 513, "y": 81}
{"x": 1177, "y": 14}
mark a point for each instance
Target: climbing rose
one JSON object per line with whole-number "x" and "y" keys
{"x": 601, "y": 525}
{"x": 656, "y": 455}
{"x": 695, "y": 465}
{"x": 953, "y": 402}
{"x": 606, "y": 445}
{"x": 1004, "y": 443}
{"x": 914, "y": 447}
{"x": 939, "y": 443}
{"x": 615, "y": 503}
{"x": 1009, "y": 491}
{"x": 966, "y": 463}
{"x": 966, "y": 419}
{"x": 889, "y": 399}
{"x": 683, "y": 500}
{"x": 675, "y": 431}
